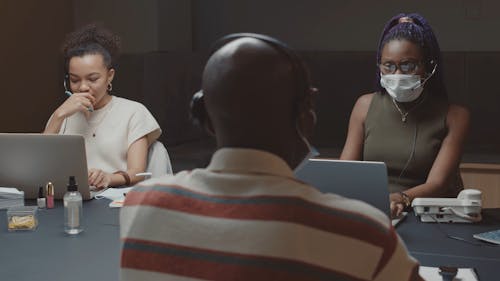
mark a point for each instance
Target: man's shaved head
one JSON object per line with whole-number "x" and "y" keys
{"x": 248, "y": 79}
{"x": 251, "y": 96}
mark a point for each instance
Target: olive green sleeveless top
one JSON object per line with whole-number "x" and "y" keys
{"x": 407, "y": 144}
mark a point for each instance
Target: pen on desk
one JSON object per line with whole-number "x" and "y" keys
{"x": 69, "y": 94}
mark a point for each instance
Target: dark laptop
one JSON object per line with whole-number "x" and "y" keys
{"x": 362, "y": 180}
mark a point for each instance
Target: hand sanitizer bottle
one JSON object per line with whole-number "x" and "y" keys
{"x": 72, "y": 208}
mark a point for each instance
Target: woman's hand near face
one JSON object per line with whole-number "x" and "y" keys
{"x": 99, "y": 178}
{"x": 76, "y": 102}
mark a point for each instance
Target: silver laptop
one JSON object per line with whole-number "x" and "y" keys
{"x": 362, "y": 180}
{"x": 28, "y": 161}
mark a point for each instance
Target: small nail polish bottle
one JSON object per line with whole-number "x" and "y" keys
{"x": 41, "y": 198}
{"x": 50, "y": 195}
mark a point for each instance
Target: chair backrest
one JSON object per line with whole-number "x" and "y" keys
{"x": 158, "y": 160}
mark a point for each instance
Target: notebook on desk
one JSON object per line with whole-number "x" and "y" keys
{"x": 28, "y": 161}
{"x": 363, "y": 180}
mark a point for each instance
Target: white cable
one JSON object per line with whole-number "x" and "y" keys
{"x": 464, "y": 216}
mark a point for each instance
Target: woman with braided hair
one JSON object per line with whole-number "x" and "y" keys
{"x": 117, "y": 131}
{"x": 408, "y": 123}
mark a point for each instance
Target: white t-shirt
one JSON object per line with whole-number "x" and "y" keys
{"x": 109, "y": 131}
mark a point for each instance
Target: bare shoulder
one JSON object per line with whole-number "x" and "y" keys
{"x": 457, "y": 113}
{"x": 362, "y": 105}
{"x": 365, "y": 100}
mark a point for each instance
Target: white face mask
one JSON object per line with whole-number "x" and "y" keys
{"x": 402, "y": 87}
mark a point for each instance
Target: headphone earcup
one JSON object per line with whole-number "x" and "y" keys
{"x": 66, "y": 83}
{"x": 199, "y": 113}
{"x": 197, "y": 108}
{"x": 306, "y": 117}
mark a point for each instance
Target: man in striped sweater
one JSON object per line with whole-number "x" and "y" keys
{"x": 245, "y": 216}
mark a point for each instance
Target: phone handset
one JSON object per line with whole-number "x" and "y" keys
{"x": 465, "y": 208}
{"x": 472, "y": 195}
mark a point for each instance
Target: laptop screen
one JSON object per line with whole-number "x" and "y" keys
{"x": 28, "y": 161}
{"x": 362, "y": 180}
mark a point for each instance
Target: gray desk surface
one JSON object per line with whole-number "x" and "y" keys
{"x": 49, "y": 254}
{"x": 427, "y": 242}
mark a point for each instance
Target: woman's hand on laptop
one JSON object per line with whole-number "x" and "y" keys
{"x": 396, "y": 209}
{"x": 99, "y": 178}
{"x": 399, "y": 202}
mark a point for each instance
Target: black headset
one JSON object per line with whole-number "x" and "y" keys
{"x": 303, "y": 83}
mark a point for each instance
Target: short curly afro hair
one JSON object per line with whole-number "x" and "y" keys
{"x": 91, "y": 39}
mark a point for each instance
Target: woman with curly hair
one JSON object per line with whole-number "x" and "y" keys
{"x": 117, "y": 131}
{"x": 408, "y": 123}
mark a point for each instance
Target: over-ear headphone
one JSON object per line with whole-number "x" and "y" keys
{"x": 66, "y": 84}
{"x": 430, "y": 67}
{"x": 303, "y": 83}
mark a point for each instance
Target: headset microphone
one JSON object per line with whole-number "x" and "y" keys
{"x": 427, "y": 78}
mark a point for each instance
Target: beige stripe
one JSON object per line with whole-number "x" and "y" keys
{"x": 399, "y": 267}
{"x": 244, "y": 185}
{"x": 267, "y": 238}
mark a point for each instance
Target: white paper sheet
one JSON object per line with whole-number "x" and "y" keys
{"x": 113, "y": 193}
{"x": 10, "y": 190}
{"x": 432, "y": 274}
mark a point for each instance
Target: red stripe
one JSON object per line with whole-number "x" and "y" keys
{"x": 221, "y": 271}
{"x": 389, "y": 248}
{"x": 294, "y": 213}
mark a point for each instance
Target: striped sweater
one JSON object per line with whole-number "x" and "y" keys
{"x": 245, "y": 217}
